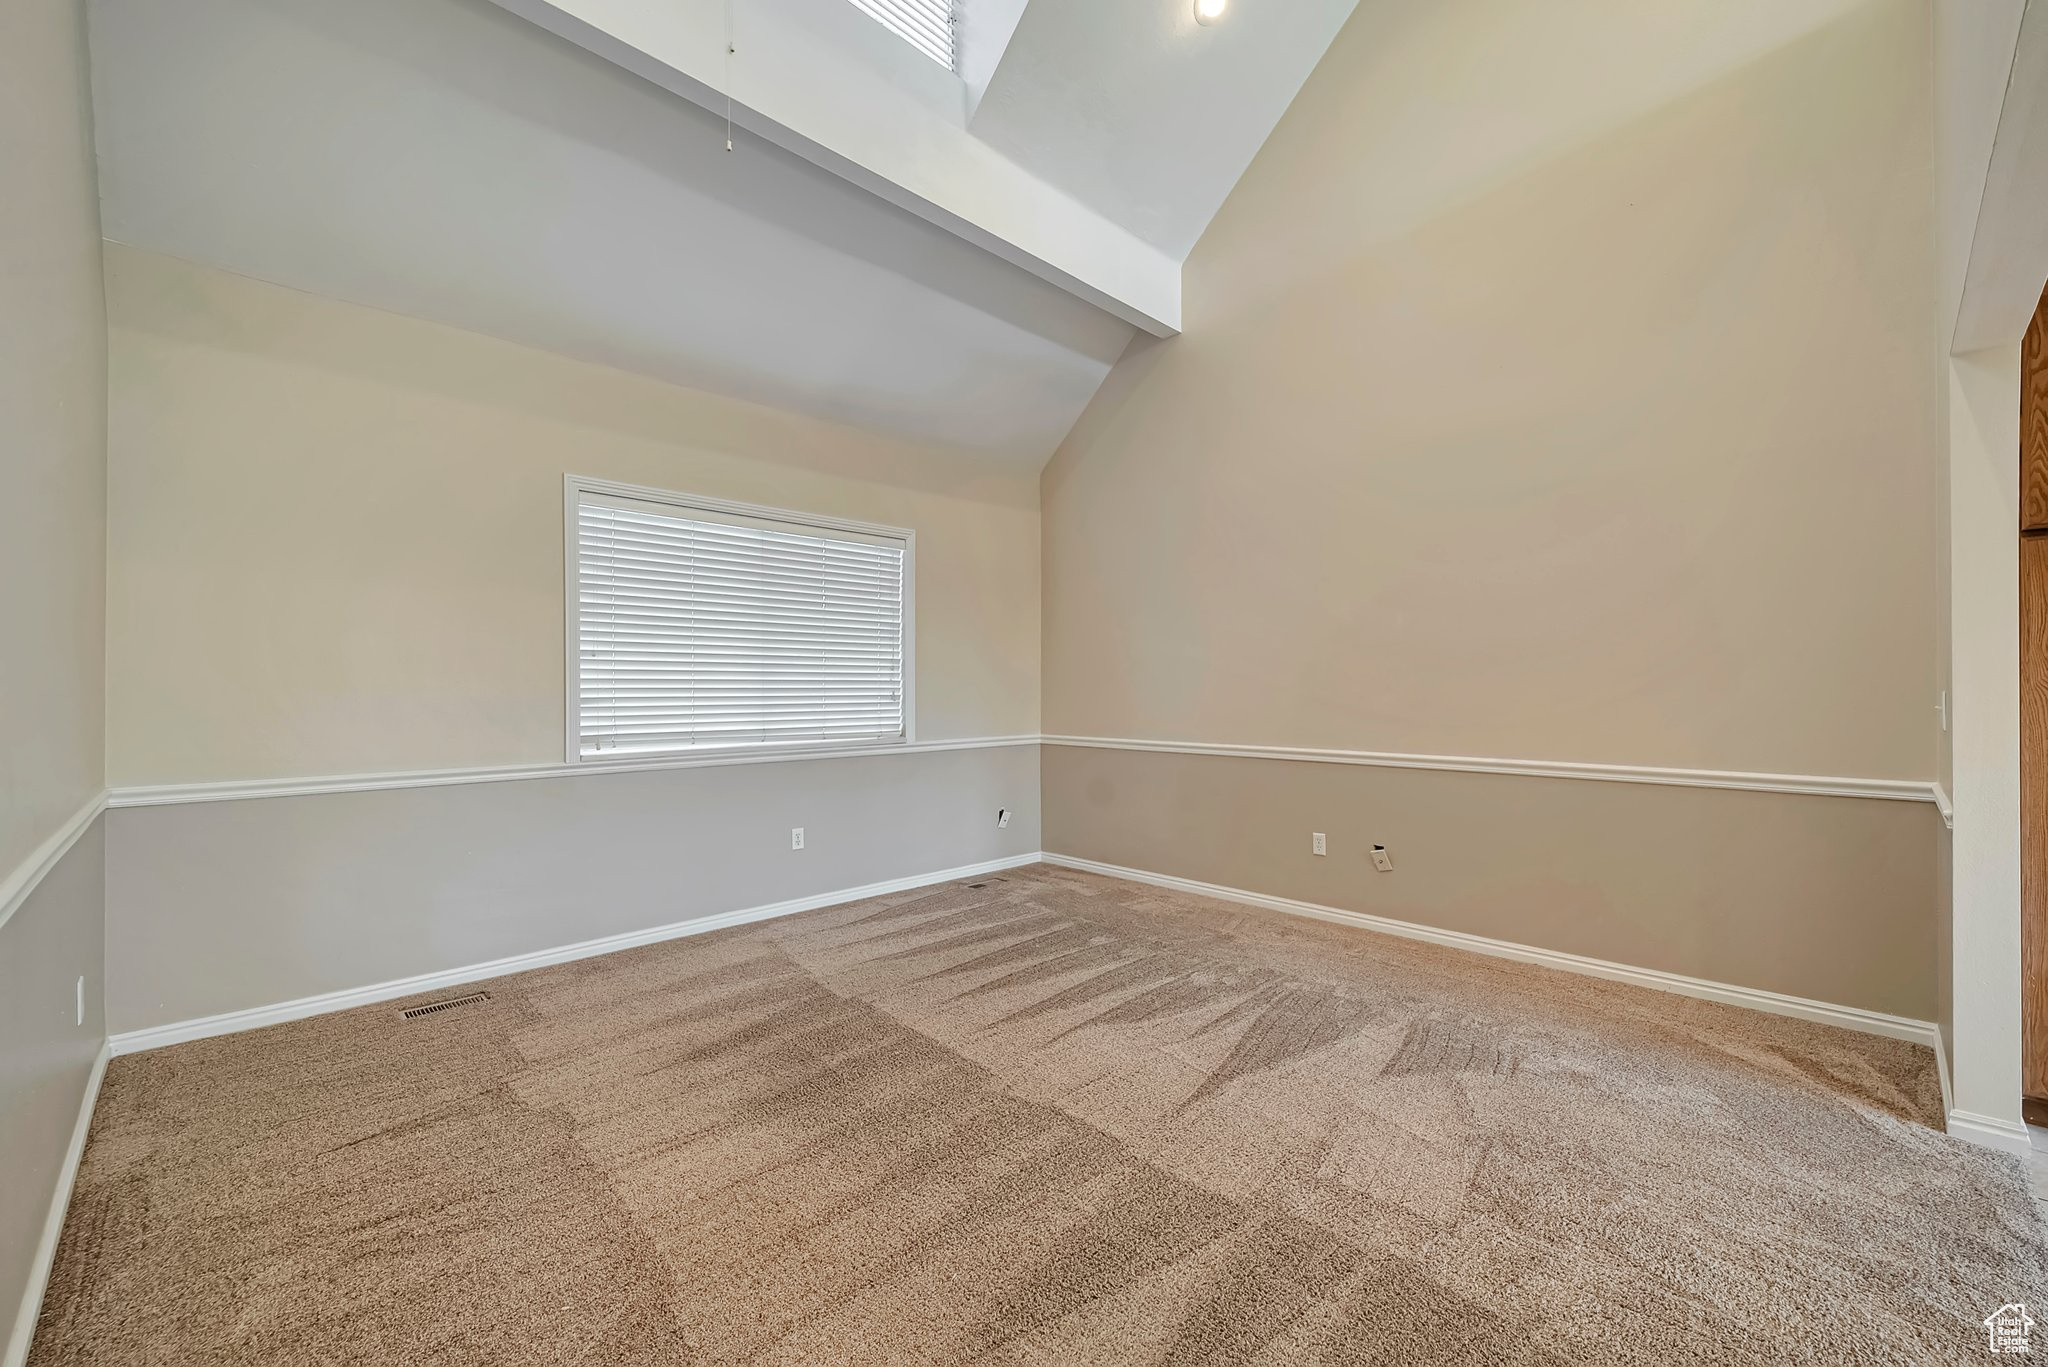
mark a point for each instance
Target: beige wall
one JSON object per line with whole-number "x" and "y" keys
{"x": 336, "y": 534}
{"x": 1701, "y": 882}
{"x": 1537, "y": 405}
{"x": 1538, "y": 411}
{"x": 52, "y": 432}
{"x": 226, "y": 906}
{"x": 52, "y": 557}
{"x": 55, "y": 936}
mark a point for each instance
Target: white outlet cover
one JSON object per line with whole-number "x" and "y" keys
{"x": 1317, "y": 844}
{"x": 796, "y": 837}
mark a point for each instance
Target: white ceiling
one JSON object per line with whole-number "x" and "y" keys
{"x": 1088, "y": 141}
{"x": 822, "y": 79}
{"x": 446, "y": 159}
{"x": 951, "y": 261}
{"x": 1143, "y": 114}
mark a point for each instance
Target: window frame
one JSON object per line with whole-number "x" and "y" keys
{"x": 905, "y": 23}
{"x": 575, "y": 486}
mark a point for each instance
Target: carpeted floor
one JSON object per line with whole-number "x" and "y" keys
{"x": 1045, "y": 1118}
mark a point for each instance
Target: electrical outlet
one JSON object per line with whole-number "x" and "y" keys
{"x": 1381, "y": 860}
{"x": 796, "y": 837}
{"x": 1002, "y": 817}
{"x": 1317, "y": 844}
{"x": 1941, "y": 706}
{"x": 81, "y": 1000}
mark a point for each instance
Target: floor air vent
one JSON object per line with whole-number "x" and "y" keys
{"x": 415, "y": 1012}
{"x": 986, "y": 882}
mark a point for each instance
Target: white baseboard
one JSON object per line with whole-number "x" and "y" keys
{"x": 1993, "y": 1133}
{"x": 1776, "y": 1003}
{"x": 1964, "y": 1125}
{"x": 1948, "y": 1091}
{"x": 255, "y": 1018}
{"x": 53, "y": 1224}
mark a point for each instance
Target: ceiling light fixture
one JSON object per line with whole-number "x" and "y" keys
{"x": 1209, "y": 11}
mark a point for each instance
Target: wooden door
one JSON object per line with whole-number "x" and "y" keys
{"x": 2034, "y": 820}
{"x": 2034, "y": 714}
{"x": 2034, "y": 423}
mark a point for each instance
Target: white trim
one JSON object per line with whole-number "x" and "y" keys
{"x": 29, "y": 874}
{"x": 1943, "y": 805}
{"x": 574, "y": 486}
{"x": 1900, "y": 790}
{"x": 45, "y": 1255}
{"x": 2008, "y": 1136}
{"x": 572, "y": 654}
{"x": 1756, "y": 999}
{"x": 1895, "y": 789}
{"x": 255, "y": 1018}
{"x": 909, "y": 637}
{"x": 162, "y": 794}
{"x": 1948, "y": 1092}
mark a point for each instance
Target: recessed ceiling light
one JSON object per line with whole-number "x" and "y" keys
{"x": 1209, "y": 11}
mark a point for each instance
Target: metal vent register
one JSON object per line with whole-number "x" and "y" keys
{"x": 449, "y": 1004}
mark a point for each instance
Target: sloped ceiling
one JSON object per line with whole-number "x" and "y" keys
{"x": 447, "y": 160}
{"x": 1143, "y": 114}
{"x": 950, "y": 261}
{"x": 823, "y": 79}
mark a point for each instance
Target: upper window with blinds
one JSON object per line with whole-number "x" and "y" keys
{"x": 926, "y": 25}
{"x": 700, "y": 625}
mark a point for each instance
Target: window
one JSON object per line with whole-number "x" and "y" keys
{"x": 699, "y": 625}
{"x": 926, "y": 25}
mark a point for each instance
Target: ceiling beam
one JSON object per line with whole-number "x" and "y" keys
{"x": 821, "y": 80}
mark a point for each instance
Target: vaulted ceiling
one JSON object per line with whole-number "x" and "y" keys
{"x": 1143, "y": 114}
{"x": 887, "y": 245}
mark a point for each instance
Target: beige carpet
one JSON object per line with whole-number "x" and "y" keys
{"x": 1052, "y": 1119}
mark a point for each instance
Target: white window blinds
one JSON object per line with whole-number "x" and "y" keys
{"x": 926, "y": 25}
{"x": 701, "y": 624}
